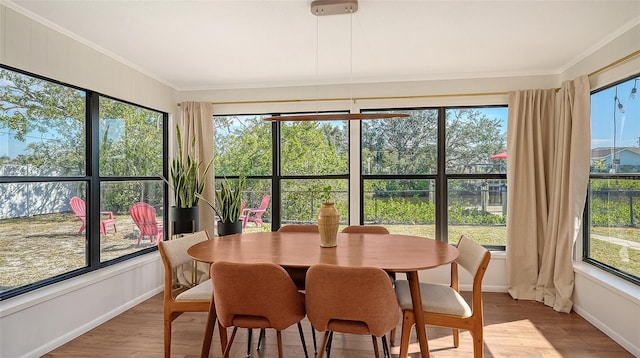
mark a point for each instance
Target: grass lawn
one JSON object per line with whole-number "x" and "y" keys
{"x": 39, "y": 247}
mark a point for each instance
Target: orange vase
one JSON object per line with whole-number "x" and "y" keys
{"x": 328, "y": 220}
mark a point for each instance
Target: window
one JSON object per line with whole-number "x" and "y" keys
{"x": 612, "y": 215}
{"x": 308, "y": 157}
{"x": 408, "y": 164}
{"x": 58, "y": 142}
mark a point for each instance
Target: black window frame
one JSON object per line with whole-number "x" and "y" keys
{"x": 92, "y": 180}
{"x": 586, "y": 218}
{"x": 441, "y": 177}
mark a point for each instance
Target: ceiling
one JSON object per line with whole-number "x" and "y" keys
{"x": 219, "y": 44}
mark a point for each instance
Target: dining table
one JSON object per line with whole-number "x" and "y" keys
{"x": 391, "y": 252}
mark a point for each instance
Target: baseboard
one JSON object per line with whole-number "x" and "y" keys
{"x": 626, "y": 344}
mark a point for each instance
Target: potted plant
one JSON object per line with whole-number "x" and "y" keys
{"x": 187, "y": 184}
{"x": 228, "y": 205}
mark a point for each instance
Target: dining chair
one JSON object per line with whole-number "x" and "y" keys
{"x": 369, "y": 229}
{"x": 443, "y": 305}
{"x": 256, "y": 295}
{"x": 357, "y": 300}
{"x": 179, "y": 298}
{"x": 298, "y": 274}
{"x": 366, "y": 229}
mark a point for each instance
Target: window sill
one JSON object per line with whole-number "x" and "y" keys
{"x": 608, "y": 281}
{"x": 22, "y": 302}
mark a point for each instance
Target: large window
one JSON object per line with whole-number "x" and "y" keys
{"x": 291, "y": 161}
{"x": 439, "y": 173}
{"x": 612, "y": 224}
{"x": 58, "y": 142}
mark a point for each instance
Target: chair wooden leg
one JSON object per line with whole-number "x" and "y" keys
{"x": 375, "y": 346}
{"x": 208, "y": 331}
{"x": 167, "y": 335}
{"x": 325, "y": 340}
{"x": 478, "y": 346}
{"x": 304, "y": 344}
{"x": 456, "y": 337}
{"x": 228, "y": 349}
{"x": 392, "y": 337}
{"x": 407, "y": 322}
{"x": 279, "y": 337}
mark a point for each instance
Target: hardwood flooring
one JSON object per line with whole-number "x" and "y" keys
{"x": 512, "y": 329}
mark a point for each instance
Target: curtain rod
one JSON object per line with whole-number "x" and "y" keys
{"x": 473, "y": 94}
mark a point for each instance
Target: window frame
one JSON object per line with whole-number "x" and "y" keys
{"x": 441, "y": 177}
{"x": 586, "y": 218}
{"x": 276, "y": 176}
{"x": 92, "y": 180}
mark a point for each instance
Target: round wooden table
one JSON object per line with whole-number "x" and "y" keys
{"x": 395, "y": 253}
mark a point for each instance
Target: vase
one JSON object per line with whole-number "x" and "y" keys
{"x": 228, "y": 228}
{"x": 328, "y": 220}
{"x": 184, "y": 220}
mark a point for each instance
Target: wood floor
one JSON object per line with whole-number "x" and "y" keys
{"x": 512, "y": 329}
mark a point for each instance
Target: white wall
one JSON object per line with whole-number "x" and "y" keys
{"x": 35, "y": 323}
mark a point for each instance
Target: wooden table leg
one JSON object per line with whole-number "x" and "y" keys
{"x": 416, "y": 298}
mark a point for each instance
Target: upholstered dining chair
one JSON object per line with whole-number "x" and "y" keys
{"x": 358, "y": 300}
{"x": 298, "y": 274}
{"x": 443, "y": 305}
{"x": 257, "y": 295}
{"x": 366, "y": 229}
{"x": 369, "y": 229}
{"x": 179, "y": 298}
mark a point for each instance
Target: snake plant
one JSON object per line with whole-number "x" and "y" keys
{"x": 186, "y": 181}
{"x": 228, "y": 200}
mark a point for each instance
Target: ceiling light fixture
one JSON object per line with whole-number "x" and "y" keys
{"x": 335, "y": 7}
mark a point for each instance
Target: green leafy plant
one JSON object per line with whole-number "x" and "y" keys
{"x": 228, "y": 200}
{"x": 318, "y": 192}
{"x": 186, "y": 182}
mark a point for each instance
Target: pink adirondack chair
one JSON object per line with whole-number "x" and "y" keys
{"x": 144, "y": 216}
{"x": 255, "y": 214}
{"x": 79, "y": 208}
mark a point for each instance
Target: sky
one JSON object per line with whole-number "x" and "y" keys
{"x": 604, "y": 113}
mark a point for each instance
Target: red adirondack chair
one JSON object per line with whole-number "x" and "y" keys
{"x": 144, "y": 216}
{"x": 255, "y": 214}
{"x": 79, "y": 208}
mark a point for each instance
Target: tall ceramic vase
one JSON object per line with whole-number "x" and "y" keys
{"x": 328, "y": 220}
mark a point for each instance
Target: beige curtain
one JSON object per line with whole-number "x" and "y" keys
{"x": 196, "y": 119}
{"x": 547, "y": 177}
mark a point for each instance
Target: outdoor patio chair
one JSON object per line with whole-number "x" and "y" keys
{"x": 255, "y": 214}
{"x": 79, "y": 208}
{"x": 144, "y": 216}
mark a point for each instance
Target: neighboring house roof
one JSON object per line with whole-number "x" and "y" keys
{"x": 602, "y": 152}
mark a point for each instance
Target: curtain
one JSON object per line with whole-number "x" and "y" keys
{"x": 196, "y": 119}
{"x": 547, "y": 177}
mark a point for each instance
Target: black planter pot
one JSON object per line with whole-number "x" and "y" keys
{"x": 229, "y": 228}
{"x": 184, "y": 220}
